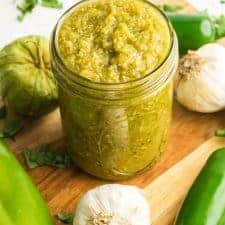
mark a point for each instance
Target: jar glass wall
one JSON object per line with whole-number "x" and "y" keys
{"x": 115, "y": 131}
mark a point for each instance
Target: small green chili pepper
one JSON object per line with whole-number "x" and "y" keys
{"x": 205, "y": 202}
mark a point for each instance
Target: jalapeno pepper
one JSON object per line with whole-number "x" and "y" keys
{"x": 193, "y": 31}
{"x": 205, "y": 202}
{"x": 20, "y": 201}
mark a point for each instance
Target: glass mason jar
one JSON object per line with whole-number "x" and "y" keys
{"x": 115, "y": 131}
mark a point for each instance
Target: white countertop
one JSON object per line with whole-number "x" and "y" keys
{"x": 214, "y": 7}
{"x": 42, "y": 20}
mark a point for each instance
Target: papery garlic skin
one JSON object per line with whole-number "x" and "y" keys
{"x": 113, "y": 204}
{"x": 204, "y": 91}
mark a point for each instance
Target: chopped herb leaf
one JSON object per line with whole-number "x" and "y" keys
{"x": 11, "y": 128}
{"x": 65, "y": 218}
{"x": 220, "y": 26}
{"x": 170, "y": 8}
{"x": 44, "y": 156}
{"x": 222, "y": 1}
{"x": 1, "y": 134}
{"x": 3, "y": 112}
{"x": 220, "y": 133}
{"x": 52, "y": 4}
{"x": 25, "y": 7}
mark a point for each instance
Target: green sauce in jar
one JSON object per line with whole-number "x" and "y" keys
{"x": 114, "y": 60}
{"x": 113, "y": 41}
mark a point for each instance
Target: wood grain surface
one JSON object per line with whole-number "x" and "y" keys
{"x": 166, "y": 193}
{"x": 61, "y": 188}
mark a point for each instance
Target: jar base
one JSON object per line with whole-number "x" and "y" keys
{"x": 117, "y": 176}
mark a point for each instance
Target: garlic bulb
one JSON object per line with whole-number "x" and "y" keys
{"x": 201, "y": 82}
{"x": 113, "y": 204}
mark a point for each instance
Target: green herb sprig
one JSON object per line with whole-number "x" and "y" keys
{"x": 27, "y": 6}
{"x": 65, "y": 218}
{"x": 170, "y": 8}
{"x": 11, "y": 128}
{"x": 220, "y": 26}
{"x": 44, "y": 156}
{"x": 220, "y": 133}
{"x": 52, "y": 4}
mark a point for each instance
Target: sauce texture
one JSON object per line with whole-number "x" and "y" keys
{"x": 114, "y": 41}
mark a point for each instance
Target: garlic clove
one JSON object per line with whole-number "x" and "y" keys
{"x": 113, "y": 204}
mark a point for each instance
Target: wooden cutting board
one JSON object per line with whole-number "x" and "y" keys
{"x": 165, "y": 188}
{"x": 167, "y": 192}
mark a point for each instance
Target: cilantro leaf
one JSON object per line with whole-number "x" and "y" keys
{"x": 25, "y": 7}
{"x": 220, "y": 133}
{"x": 1, "y": 134}
{"x": 44, "y": 156}
{"x": 52, "y": 4}
{"x": 170, "y": 8}
{"x": 220, "y": 26}
{"x": 65, "y": 218}
{"x": 11, "y": 128}
{"x": 3, "y": 112}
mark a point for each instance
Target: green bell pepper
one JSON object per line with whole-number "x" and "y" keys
{"x": 205, "y": 202}
{"x": 20, "y": 201}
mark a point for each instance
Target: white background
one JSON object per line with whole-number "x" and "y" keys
{"x": 42, "y": 20}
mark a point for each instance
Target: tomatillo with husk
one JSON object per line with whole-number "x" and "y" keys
{"x": 27, "y": 84}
